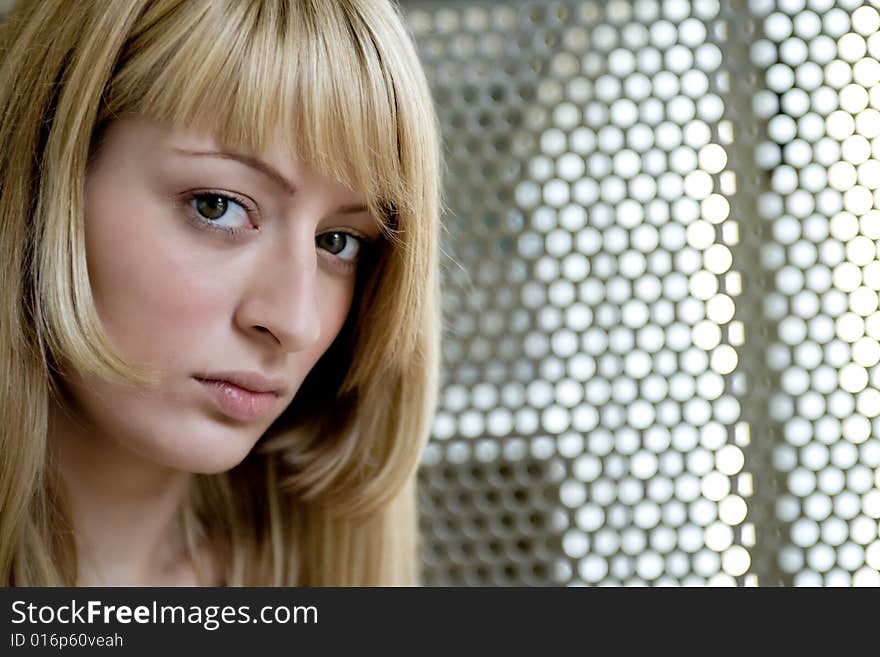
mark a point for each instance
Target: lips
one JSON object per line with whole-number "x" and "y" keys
{"x": 251, "y": 381}
{"x": 242, "y": 397}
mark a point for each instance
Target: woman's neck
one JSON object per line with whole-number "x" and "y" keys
{"x": 124, "y": 510}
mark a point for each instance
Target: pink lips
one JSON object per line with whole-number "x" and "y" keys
{"x": 237, "y": 402}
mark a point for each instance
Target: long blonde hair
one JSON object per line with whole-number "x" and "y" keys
{"x": 327, "y": 496}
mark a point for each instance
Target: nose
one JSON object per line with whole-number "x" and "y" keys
{"x": 280, "y": 303}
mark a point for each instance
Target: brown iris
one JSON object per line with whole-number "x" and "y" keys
{"x": 211, "y": 206}
{"x": 332, "y": 242}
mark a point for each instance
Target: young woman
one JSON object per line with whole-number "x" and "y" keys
{"x": 220, "y": 317}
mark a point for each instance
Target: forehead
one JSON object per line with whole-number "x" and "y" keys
{"x": 277, "y": 164}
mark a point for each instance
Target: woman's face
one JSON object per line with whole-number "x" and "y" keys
{"x": 230, "y": 273}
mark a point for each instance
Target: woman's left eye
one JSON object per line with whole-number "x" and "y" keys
{"x": 344, "y": 246}
{"x": 220, "y": 211}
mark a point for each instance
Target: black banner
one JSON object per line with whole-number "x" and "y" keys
{"x": 292, "y": 621}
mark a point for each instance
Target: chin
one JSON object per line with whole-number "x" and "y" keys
{"x": 202, "y": 451}
{"x": 207, "y": 463}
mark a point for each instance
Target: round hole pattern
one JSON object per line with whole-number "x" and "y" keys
{"x": 593, "y": 325}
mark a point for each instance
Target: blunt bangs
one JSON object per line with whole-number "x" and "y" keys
{"x": 315, "y": 69}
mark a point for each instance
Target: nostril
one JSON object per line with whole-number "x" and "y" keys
{"x": 263, "y": 329}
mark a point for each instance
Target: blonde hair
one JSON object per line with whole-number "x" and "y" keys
{"x": 327, "y": 497}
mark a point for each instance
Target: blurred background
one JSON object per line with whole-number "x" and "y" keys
{"x": 661, "y": 305}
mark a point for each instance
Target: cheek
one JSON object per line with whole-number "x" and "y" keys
{"x": 334, "y": 308}
{"x": 150, "y": 290}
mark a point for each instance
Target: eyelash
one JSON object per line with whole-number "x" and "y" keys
{"x": 248, "y": 207}
{"x": 203, "y": 222}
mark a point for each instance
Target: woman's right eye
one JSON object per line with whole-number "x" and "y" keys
{"x": 220, "y": 211}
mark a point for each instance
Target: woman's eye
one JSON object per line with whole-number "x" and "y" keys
{"x": 220, "y": 210}
{"x": 344, "y": 246}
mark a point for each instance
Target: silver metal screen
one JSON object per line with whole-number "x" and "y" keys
{"x": 661, "y": 306}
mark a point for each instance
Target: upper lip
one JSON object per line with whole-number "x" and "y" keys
{"x": 253, "y": 381}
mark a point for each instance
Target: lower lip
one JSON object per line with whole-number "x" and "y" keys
{"x": 239, "y": 403}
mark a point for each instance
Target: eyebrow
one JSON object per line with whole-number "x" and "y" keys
{"x": 270, "y": 172}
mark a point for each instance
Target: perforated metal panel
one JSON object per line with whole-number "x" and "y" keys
{"x": 661, "y": 344}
